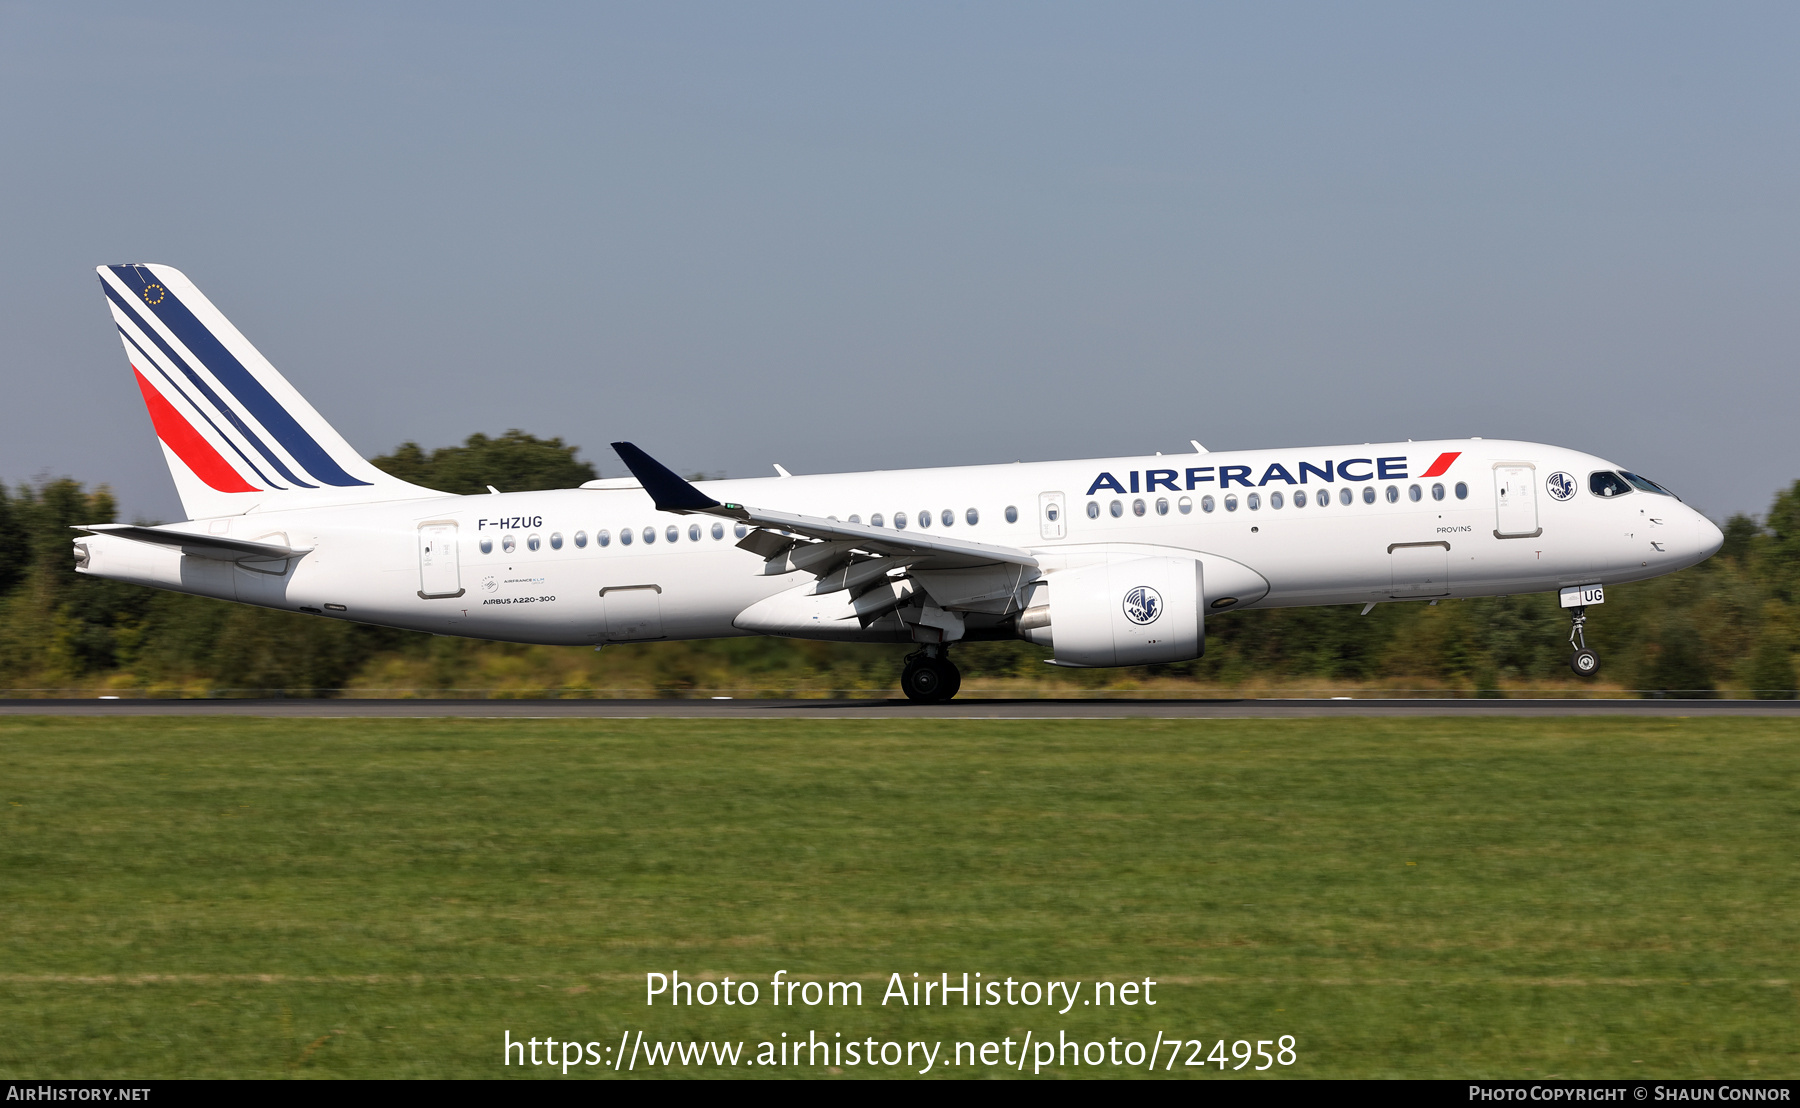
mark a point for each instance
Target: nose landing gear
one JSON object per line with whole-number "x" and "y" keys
{"x": 930, "y": 676}
{"x": 1585, "y": 663}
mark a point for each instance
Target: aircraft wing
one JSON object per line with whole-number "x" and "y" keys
{"x": 922, "y": 550}
{"x": 201, "y": 546}
{"x": 925, "y": 551}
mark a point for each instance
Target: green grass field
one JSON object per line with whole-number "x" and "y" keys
{"x": 1452, "y": 898}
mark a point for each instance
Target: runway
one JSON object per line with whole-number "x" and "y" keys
{"x": 891, "y": 709}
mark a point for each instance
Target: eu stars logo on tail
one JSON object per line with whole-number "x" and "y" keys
{"x": 235, "y": 433}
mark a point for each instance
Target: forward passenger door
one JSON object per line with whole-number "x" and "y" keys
{"x": 1515, "y": 501}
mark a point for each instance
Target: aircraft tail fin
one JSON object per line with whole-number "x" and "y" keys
{"x": 235, "y": 433}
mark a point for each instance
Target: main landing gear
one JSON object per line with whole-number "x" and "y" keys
{"x": 1585, "y": 663}
{"x": 930, "y": 676}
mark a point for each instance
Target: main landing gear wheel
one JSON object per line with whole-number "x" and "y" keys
{"x": 1585, "y": 663}
{"x": 930, "y": 680}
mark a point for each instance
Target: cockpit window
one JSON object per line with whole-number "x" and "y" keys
{"x": 1645, "y": 483}
{"x": 1607, "y": 485}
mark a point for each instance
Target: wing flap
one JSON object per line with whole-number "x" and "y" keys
{"x": 926, "y": 551}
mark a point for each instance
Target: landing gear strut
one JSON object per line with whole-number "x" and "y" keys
{"x": 930, "y": 676}
{"x": 1585, "y": 663}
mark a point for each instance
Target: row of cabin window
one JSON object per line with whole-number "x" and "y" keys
{"x": 672, "y": 533}
{"x": 1277, "y": 500}
{"x": 603, "y": 537}
{"x": 946, "y": 518}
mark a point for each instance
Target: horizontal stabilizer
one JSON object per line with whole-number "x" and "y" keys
{"x": 200, "y": 546}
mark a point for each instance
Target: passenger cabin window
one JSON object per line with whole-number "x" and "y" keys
{"x": 487, "y": 546}
{"x": 1162, "y": 506}
{"x": 1414, "y": 493}
{"x": 899, "y": 521}
{"x": 1606, "y": 484}
{"x": 649, "y": 535}
{"x": 1437, "y": 492}
{"x": 742, "y": 529}
{"x": 1206, "y": 504}
{"x": 1393, "y": 494}
{"x": 972, "y": 517}
{"x": 1299, "y": 498}
{"x": 1275, "y": 500}
{"x": 876, "y": 520}
{"x": 1137, "y": 507}
{"x": 948, "y": 518}
{"x": 693, "y": 532}
{"x": 581, "y": 540}
{"x": 1369, "y": 494}
{"x": 604, "y": 538}
{"x": 1231, "y": 503}
{"x": 1254, "y": 501}
{"x": 1462, "y": 491}
{"x": 624, "y": 536}
{"x": 532, "y": 542}
{"x": 925, "y": 518}
{"x": 1012, "y": 514}
{"x": 1185, "y": 505}
{"x": 855, "y": 519}
{"x": 1093, "y": 509}
{"x": 1345, "y": 496}
{"x": 556, "y": 540}
{"x": 508, "y": 543}
{"x": 718, "y": 531}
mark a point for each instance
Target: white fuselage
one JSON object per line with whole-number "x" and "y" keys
{"x": 540, "y": 567}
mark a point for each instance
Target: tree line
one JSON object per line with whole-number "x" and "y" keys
{"x": 1727, "y": 626}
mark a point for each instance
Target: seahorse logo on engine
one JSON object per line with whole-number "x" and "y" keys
{"x": 1143, "y": 604}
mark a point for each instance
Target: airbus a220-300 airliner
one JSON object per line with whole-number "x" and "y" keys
{"x": 1107, "y": 562}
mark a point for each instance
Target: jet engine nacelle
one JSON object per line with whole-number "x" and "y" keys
{"x": 1121, "y": 612}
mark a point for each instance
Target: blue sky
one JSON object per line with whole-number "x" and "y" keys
{"x": 870, "y": 236}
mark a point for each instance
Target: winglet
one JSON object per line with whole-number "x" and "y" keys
{"x": 669, "y": 491}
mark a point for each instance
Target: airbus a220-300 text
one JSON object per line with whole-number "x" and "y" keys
{"x": 1107, "y": 562}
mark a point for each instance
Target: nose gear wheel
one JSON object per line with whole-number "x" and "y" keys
{"x": 1585, "y": 663}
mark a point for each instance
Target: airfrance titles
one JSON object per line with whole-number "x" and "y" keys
{"x": 1392, "y": 468}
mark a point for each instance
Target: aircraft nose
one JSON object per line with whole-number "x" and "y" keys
{"x": 1709, "y": 537}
